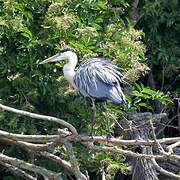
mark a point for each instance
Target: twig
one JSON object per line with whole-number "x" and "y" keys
{"x": 117, "y": 141}
{"x": 176, "y": 116}
{"x": 103, "y": 173}
{"x": 114, "y": 119}
{"x": 36, "y": 147}
{"x": 50, "y": 138}
{"x": 172, "y": 146}
{"x": 42, "y": 117}
{"x": 169, "y": 126}
{"x": 155, "y": 139}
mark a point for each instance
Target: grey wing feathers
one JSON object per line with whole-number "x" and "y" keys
{"x": 99, "y": 79}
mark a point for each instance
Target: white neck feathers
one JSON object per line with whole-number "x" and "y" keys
{"x": 69, "y": 68}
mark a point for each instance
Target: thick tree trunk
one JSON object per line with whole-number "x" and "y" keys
{"x": 137, "y": 126}
{"x": 142, "y": 169}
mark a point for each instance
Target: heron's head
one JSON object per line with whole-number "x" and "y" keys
{"x": 64, "y": 54}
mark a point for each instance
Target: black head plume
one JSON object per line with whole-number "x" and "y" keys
{"x": 65, "y": 50}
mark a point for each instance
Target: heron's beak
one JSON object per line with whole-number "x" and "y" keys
{"x": 54, "y": 58}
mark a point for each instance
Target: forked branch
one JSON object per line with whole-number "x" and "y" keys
{"x": 44, "y": 146}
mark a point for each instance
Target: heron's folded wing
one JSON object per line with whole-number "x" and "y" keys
{"x": 96, "y": 77}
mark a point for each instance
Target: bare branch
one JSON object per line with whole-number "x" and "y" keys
{"x": 50, "y": 138}
{"x": 18, "y": 171}
{"x": 27, "y": 138}
{"x": 40, "y": 145}
{"x": 118, "y": 141}
{"x": 66, "y": 165}
{"x": 26, "y": 145}
{"x": 125, "y": 152}
{"x": 132, "y": 154}
{"x": 169, "y": 140}
{"x": 178, "y": 112}
{"x": 42, "y": 117}
{"x": 85, "y": 138}
{"x": 155, "y": 139}
{"x": 114, "y": 149}
{"x": 27, "y": 166}
{"x": 74, "y": 162}
{"x": 172, "y": 146}
{"x": 163, "y": 171}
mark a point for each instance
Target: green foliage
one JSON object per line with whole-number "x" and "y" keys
{"x": 98, "y": 161}
{"x": 160, "y": 21}
{"x": 32, "y": 31}
{"x": 111, "y": 164}
{"x": 142, "y": 97}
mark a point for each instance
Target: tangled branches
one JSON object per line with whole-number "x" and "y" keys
{"x": 45, "y": 146}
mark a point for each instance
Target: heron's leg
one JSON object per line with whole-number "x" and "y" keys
{"x": 93, "y": 115}
{"x": 106, "y": 114}
{"x": 104, "y": 106}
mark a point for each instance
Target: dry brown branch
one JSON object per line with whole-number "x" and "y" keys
{"x": 68, "y": 166}
{"x": 39, "y": 151}
{"x": 132, "y": 154}
{"x": 86, "y": 138}
{"x": 125, "y": 152}
{"x": 178, "y": 112}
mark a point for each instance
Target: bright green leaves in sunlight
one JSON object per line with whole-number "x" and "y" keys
{"x": 142, "y": 97}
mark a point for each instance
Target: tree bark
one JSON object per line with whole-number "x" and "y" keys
{"x": 143, "y": 169}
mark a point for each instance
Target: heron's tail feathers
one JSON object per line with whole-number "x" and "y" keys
{"x": 117, "y": 96}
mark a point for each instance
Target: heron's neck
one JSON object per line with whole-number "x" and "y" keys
{"x": 69, "y": 69}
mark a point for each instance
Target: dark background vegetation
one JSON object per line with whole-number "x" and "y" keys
{"x": 142, "y": 40}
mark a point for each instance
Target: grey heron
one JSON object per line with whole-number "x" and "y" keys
{"x": 95, "y": 78}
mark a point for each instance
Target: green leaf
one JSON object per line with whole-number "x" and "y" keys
{"x": 26, "y": 32}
